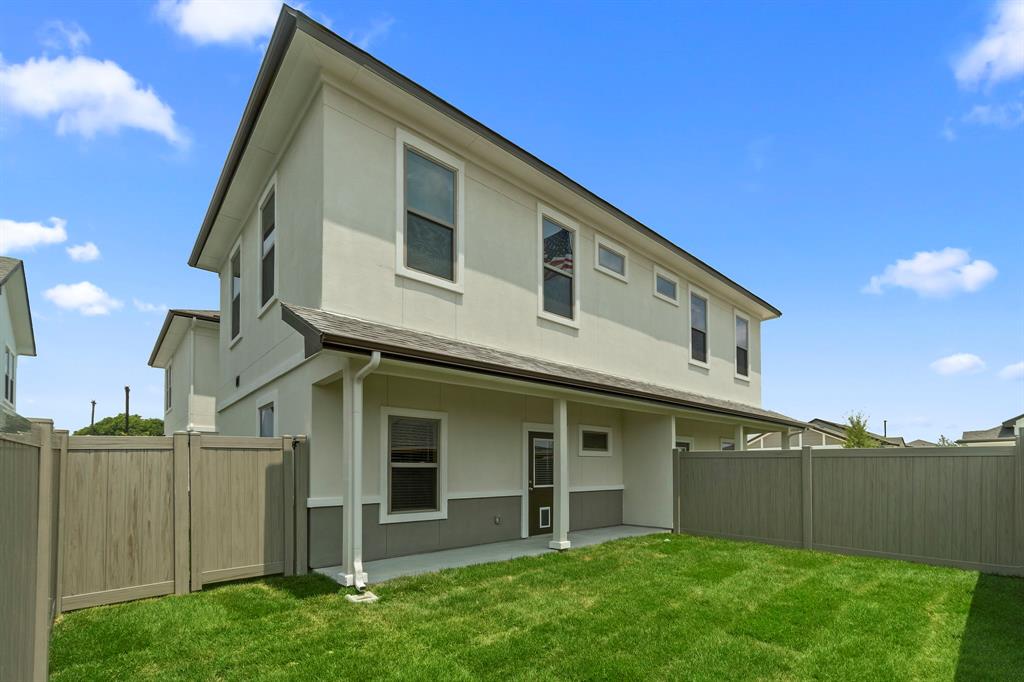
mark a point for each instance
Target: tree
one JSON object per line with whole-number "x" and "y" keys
{"x": 114, "y": 426}
{"x": 857, "y": 433}
{"x": 947, "y": 443}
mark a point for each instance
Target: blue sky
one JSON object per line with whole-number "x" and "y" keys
{"x": 801, "y": 148}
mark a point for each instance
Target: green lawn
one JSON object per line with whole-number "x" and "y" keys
{"x": 657, "y": 606}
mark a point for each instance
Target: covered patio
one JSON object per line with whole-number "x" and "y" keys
{"x": 383, "y": 570}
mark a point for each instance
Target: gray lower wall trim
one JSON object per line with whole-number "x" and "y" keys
{"x": 595, "y": 509}
{"x": 469, "y": 522}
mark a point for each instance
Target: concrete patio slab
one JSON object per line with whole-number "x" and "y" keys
{"x": 416, "y": 564}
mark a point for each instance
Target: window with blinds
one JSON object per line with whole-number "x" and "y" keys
{"x": 413, "y": 464}
{"x": 543, "y": 462}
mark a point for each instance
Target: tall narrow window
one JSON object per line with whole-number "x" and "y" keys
{"x": 236, "y": 294}
{"x": 167, "y": 388}
{"x": 559, "y": 269}
{"x": 267, "y": 222}
{"x": 8, "y": 375}
{"x": 413, "y": 464}
{"x": 698, "y": 328}
{"x": 430, "y": 221}
{"x": 267, "y": 420}
{"x": 742, "y": 346}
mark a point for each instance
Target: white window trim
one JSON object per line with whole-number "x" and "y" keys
{"x": 665, "y": 274}
{"x": 723, "y": 441}
{"x": 168, "y": 388}
{"x": 595, "y": 453}
{"x": 735, "y": 344}
{"x": 262, "y": 400}
{"x": 271, "y": 187}
{"x": 599, "y": 241}
{"x": 236, "y": 249}
{"x": 691, "y": 291}
{"x": 686, "y": 439}
{"x": 442, "y": 467}
{"x": 574, "y": 227}
{"x": 403, "y": 139}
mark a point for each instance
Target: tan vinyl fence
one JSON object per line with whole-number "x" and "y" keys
{"x": 959, "y": 507}
{"x": 92, "y": 520}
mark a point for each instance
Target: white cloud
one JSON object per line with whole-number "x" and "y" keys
{"x": 220, "y": 21}
{"x": 958, "y": 363}
{"x": 999, "y": 55}
{"x": 1008, "y": 115}
{"x": 56, "y": 35}
{"x": 1011, "y": 372}
{"x": 88, "y": 96}
{"x": 85, "y": 297}
{"x": 83, "y": 253}
{"x": 948, "y": 132}
{"x": 144, "y": 307}
{"x": 935, "y": 273}
{"x": 376, "y": 31}
{"x": 15, "y": 236}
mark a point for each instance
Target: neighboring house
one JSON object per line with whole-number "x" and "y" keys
{"x": 819, "y": 433}
{"x": 186, "y": 350}
{"x": 478, "y": 347}
{"x": 16, "y": 335}
{"x": 919, "y": 443}
{"x": 1004, "y": 434}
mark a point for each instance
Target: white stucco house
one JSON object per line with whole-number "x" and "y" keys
{"x": 17, "y": 337}
{"x": 478, "y": 347}
{"x": 186, "y": 349}
{"x": 1005, "y": 433}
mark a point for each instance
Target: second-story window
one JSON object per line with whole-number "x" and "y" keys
{"x": 9, "y": 376}
{"x": 610, "y": 258}
{"x": 430, "y": 216}
{"x": 236, "y": 294}
{"x": 268, "y": 219}
{"x": 559, "y": 269}
{"x": 167, "y": 388}
{"x": 698, "y": 328}
{"x": 742, "y": 346}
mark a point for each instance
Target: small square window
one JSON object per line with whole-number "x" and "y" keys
{"x": 610, "y": 258}
{"x": 667, "y": 287}
{"x": 595, "y": 441}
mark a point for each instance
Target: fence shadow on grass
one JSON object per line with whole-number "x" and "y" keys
{"x": 992, "y": 647}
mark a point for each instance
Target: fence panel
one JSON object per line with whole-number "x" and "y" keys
{"x": 242, "y": 516}
{"x": 118, "y": 520}
{"x": 960, "y": 507}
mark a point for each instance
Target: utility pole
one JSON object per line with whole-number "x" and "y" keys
{"x": 92, "y": 419}
{"x": 885, "y": 428}
{"x": 127, "y": 391}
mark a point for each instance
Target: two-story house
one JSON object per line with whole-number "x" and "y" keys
{"x": 478, "y": 347}
{"x": 186, "y": 349}
{"x": 16, "y": 335}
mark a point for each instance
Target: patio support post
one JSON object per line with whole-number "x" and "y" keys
{"x": 740, "y": 439}
{"x": 784, "y": 439}
{"x": 560, "y": 520}
{"x": 352, "y": 465}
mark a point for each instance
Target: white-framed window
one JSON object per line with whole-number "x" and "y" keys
{"x": 595, "y": 441}
{"x": 167, "y": 387}
{"x": 235, "y": 291}
{"x": 727, "y": 444}
{"x": 610, "y": 258}
{"x": 666, "y": 286}
{"x": 414, "y": 465}
{"x": 268, "y": 245}
{"x": 268, "y": 422}
{"x": 10, "y": 360}
{"x": 685, "y": 442}
{"x": 742, "y": 343}
{"x": 558, "y": 287}
{"x": 699, "y": 311}
{"x": 430, "y": 215}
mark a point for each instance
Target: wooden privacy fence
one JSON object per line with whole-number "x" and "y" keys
{"x": 959, "y": 507}
{"x": 92, "y": 520}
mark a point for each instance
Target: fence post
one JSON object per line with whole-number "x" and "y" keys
{"x": 62, "y": 487}
{"x": 301, "y": 513}
{"x": 195, "y": 451}
{"x": 180, "y": 507}
{"x": 44, "y": 519}
{"x": 807, "y": 500}
{"x": 1018, "y": 522}
{"x": 288, "y": 461}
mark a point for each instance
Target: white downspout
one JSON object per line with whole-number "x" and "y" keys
{"x": 356, "y": 486}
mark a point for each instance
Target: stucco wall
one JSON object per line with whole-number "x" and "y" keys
{"x": 647, "y": 498}
{"x": 7, "y": 341}
{"x": 624, "y": 329}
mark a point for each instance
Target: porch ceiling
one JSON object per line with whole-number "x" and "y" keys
{"x": 326, "y": 330}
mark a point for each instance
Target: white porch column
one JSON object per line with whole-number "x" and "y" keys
{"x": 740, "y": 439}
{"x": 352, "y": 474}
{"x": 560, "y": 493}
{"x": 784, "y": 439}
